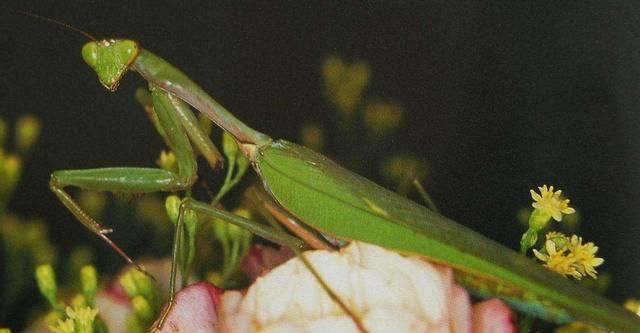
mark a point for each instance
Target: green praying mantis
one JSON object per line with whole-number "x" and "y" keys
{"x": 322, "y": 195}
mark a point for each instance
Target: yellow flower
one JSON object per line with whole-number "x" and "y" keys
{"x": 584, "y": 255}
{"x": 568, "y": 256}
{"x": 551, "y": 203}
{"x": 557, "y": 260}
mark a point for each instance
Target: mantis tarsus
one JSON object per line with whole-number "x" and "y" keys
{"x": 329, "y": 198}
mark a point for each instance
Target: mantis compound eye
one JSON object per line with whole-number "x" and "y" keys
{"x": 90, "y": 54}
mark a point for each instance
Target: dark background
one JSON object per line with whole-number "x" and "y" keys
{"x": 501, "y": 96}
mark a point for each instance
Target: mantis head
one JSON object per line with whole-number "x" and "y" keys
{"x": 110, "y": 58}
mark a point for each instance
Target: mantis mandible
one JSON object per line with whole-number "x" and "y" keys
{"x": 329, "y": 198}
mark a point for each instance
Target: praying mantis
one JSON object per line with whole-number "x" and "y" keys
{"x": 322, "y": 195}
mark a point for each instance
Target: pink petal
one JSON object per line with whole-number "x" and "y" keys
{"x": 114, "y": 307}
{"x": 252, "y": 263}
{"x": 492, "y": 316}
{"x": 460, "y": 310}
{"x": 195, "y": 310}
{"x": 262, "y": 259}
{"x": 459, "y": 303}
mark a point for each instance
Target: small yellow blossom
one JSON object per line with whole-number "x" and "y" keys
{"x": 167, "y": 161}
{"x": 568, "y": 256}
{"x": 557, "y": 260}
{"x": 550, "y": 202}
{"x": 584, "y": 254}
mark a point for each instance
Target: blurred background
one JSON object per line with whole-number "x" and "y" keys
{"x": 497, "y": 98}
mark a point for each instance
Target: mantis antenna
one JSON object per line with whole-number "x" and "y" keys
{"x": 59, "y": 23}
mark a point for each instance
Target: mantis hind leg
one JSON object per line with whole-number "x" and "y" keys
{"x": 132, "y": 180}
{"x": 316, "y": 240}
{"x": 274, "y": 233}
{"x": 205, "y": 209}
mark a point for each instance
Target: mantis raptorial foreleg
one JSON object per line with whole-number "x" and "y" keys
{"x": 136, "y": 180}
{"x": 198, "y": 137}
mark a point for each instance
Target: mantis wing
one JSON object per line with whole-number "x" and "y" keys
{"x": 345, "y": 205}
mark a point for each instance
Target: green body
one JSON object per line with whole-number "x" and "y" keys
{"x": 342, "y": 204}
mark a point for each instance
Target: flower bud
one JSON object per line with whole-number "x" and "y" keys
{"x": 78, "y": 301}
{"x": 142, "y": 308}
{"x": 46, "y": 279}
{"x": 191, "y": 222}
{"x": 528, "y": 240}
{"x": 227, "y": 232}
{"x": 539, "y": 219}
{"x": 229, "y": 146}
{"x": 167, "y": 161}
{"x": 89, "y": 281}
{"x": 172, "y": 205}
{"x": 10, "y": 173}
{"x": 127, "y": 282}
{"x": 143, "y": 284}
{"x": 27, "y": 133}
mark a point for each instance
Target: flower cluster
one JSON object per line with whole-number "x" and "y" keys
{"x": 569, "y": 256}
{"x": 81, "y": 314}
{"x": 547, "y": 204}
{"x": 80, "y": 319}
